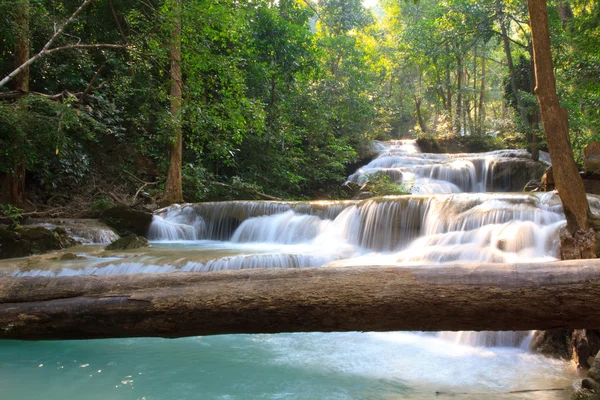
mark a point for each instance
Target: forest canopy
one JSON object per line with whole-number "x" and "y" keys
{"x": 276, "y": 98}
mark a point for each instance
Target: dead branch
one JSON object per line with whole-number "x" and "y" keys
{"x": 248, "y": 190}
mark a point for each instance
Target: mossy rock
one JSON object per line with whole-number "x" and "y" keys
{"x": 25, "y": 241}
{"x": 585, "y": 394}
{"x": 127, "y": 221}
{"x": 128, "y": 243}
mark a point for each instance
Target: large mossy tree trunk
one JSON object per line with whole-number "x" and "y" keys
{"x": 173, "y": 191}
{"x": 577, "y": 240}
{"x": 13, "y": 187}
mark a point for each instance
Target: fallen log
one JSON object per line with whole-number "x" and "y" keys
{"x": 558, "y": 295}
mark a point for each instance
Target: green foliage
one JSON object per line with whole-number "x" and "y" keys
{"x": 277, "y": 98}
{"x": 11, "y": 212}
{"x": 382, "y": 185}
{"x": 101, "y": 204}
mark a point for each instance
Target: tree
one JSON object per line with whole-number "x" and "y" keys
{"x": 577, "y": 240}
{"x": 173, "y": 190}
{"x": 14, "y": 183}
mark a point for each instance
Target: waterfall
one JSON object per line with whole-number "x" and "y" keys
{"x": 440, "y": 222}
{"x": 86, "y": 231}
{"x": 498, "y": 171}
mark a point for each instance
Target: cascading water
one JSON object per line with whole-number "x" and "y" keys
{"x": 438, "y": 223}
{"x": 495, "y": 171}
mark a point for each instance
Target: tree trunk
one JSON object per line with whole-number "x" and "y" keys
{"x": 513, "y": 76}
{"x": 173, "y": 192}
{"x": 419, "y": 115}
{"x": 565, "y": 13}
{"x": 482, "y": 94}
{"x": 459, "y": 102}
{"x": 14, "y": 184}
{"x": 378, "y": 298}
{"x": 568, "y": 183}
{"x": 474, "y": 90}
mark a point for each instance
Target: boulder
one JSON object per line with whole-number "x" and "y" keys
{"x": 128, "y": 243}
{"x": 577, "y": 345}
{"x": 127, "y": 221}
{"x": 589, "y": 383}
{"x": 585, "y": 394}
{"x": 70, "y": 257}
{"x": 591, "y": 148}
{"x": 591, "y": 164}
{"x": 25, "y": 241}
{"x": 534, "y": 185}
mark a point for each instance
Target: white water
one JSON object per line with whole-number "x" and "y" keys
{"x": 402, "y": 161}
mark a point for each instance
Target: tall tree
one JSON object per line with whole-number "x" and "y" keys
{"x": 173, "y": 190}
{"x": 14, "y": 184}
{"x": 577, "y": 240}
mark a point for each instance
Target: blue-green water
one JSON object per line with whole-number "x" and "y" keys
{"x": 284, "y": 366}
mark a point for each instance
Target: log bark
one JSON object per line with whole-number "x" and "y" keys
{"x": 559, "y": 295}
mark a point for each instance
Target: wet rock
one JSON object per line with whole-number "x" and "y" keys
{"x": 594, "y": 373}
{"x": 70, "y": 257}
{"x": 585, "y": 394}
{"x": 590, "y": 384}
{"x": 25, "y": 241}
{"x": 364, "y": 195}
{"x": 128, "y": 243}
{"x": 127, "y": 221}
{"x": 534, "y": 185}
{"x": 576, "y": 345}
{"x": 513, "y": 175}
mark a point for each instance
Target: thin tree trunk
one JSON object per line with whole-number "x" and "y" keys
{"x": 419, "y": 115}
{"x": 482, "y": 94}
{"x": 459, "y": 102}
{"x": 380, "y": 298}
{"x": 474, "y": 88}
{"x": 565, "y": 13}
{"x": 173, "y": 191}
{"x": 554, "y": 117}
{"x": 512, "y": 74}
{"x": 15, "y": 180}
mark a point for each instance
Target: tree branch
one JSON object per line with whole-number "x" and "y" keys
{"x": 45, "y": 53}
{"x": 248, "y": 190}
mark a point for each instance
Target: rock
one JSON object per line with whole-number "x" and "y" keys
{"x": 128, "y": 243}
{"x": 594, "y": 373}
{"x": 585, "y": 394}
{"x": 534, "y": 185}
{"x": 580, "y": 246}
{"x": 591, "y": 148}
{"x": 70, "y": 256}
{"x": 127, "y": 221}
{"x": 364, "y": 195}
{"x": 576, "y": 345}
{"x": 589, "y": 383}
{"x": 25, "y": 241}
{"x": 513, "y": 174}
{"x": 591, "y": 164}
{"x": 596, "y": 362}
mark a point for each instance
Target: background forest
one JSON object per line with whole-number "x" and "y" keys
{"x": 277, "y": 97}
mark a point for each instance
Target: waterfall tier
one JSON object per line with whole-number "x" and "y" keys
{"x": 495, "y": 171}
